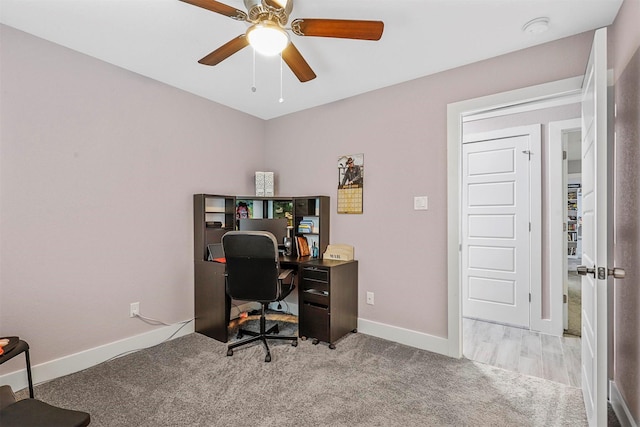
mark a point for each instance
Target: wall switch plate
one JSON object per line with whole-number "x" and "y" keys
{"x": 370, "y": 298}
{"x": 420, "y": 203}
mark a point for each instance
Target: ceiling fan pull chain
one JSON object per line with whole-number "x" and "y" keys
{"x": 253, "y": 86}
{"x": 281, "y": 100}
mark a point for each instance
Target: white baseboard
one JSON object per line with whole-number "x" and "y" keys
{"x": 404, "y": 336}
{"x": 620, "y": 407}
{"x": 85, "y": 359}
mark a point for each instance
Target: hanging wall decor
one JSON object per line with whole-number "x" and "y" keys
{"x": 350, "y": 183}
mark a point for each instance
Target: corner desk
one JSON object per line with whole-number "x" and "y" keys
{"x": 327, "y": 298}
{"x": 327, "y": 289}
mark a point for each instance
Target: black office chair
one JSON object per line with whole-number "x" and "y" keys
{"x": 253, "y": 274}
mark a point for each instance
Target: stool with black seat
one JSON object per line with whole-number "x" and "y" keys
{"x": 35, "y": 413}
{"x": 253, "y": 274}
{"x": 15, "y": 347}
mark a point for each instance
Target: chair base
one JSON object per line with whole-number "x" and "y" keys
{"x": 264, "y": 335}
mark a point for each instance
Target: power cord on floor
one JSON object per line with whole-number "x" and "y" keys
{"x": 152, "y": 321}
{"x": 147, "y": 320}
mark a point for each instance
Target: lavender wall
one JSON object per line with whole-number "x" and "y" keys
{"x": 626, "y": 60}
{"x": 98, "y": 167}
{"x": 402, "y": 132}
{"x": 627, "y": 236}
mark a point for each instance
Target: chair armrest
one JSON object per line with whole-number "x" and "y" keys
{"x": 284, "y": 274}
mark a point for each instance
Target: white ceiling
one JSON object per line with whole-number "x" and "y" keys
{"x": 164, "y": 39}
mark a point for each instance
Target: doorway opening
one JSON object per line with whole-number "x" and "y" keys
{"x": 537, "y": 348}
{"x": 572, "y": 178}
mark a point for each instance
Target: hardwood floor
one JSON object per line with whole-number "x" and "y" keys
{"x": 539, "y": 355}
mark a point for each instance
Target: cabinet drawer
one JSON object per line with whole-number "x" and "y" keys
{"x": 316, "y": 321}
{"x": 315, "y": 296}
{"x": 315, "y": 274}
{"x": 314, "y": 286}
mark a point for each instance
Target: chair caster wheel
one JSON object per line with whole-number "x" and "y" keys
{"x": 267, "y": 358}
{"x": 303, "y": 338}
{"x": 229, "y": 352}
{"x": 276, "y": 330}
{"x": 332, "y": 347}
{"x": 294, "y": 343}
{"x": 355, "y": 331}
{"x": 239, "y": 336}
{"x": 315, "y": 341}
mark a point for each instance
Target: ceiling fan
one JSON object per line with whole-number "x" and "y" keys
{"x": 268, "y": 35}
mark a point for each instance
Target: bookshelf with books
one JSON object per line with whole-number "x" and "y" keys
{"x": 311, "y": 221}
{"x": 574, "y": 221}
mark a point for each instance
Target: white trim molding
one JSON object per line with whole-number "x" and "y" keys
{"x": 85, "y": 359}
{"x": 404, "y": 336}
{"x": 556, "y": 236}
{"x": 456, "y": 114}
{"x": 620, "y": 407}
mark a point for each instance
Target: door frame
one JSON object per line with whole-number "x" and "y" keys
{"x": 557, "y": 254}
{"x": 525, "y": 98}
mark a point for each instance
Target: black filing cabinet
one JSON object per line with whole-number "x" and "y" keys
{"x": 328, "y": 300}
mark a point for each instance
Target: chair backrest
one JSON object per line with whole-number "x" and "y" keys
{"x": 252, "y": 265}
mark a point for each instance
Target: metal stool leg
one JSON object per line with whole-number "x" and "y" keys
{"x": 29, "y": 377}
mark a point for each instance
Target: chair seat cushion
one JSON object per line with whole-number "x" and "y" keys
{"x": 35, "y": 413}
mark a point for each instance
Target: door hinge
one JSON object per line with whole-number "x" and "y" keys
{"x": 529, "y": 226}
{"x": 564, "y": 226}
{"x": 564, "y": 155}
{"x": 565, "y": 299}
{"x": 529, "y": 297}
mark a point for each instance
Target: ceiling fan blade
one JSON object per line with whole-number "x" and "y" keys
{"x": 340, "y": 28}
{"x": 291, "y": 55}
{"x": 225, "y": 51}
{"x": 220, "y": 8}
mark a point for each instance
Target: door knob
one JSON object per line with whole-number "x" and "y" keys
{"x": 617, "y": 273}
{"x": 583, "y": 270}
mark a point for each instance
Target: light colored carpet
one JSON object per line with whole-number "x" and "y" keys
{"x": 365, "y": 381}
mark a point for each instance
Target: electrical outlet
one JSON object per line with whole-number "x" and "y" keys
{"x": 370, "y": 298}
{"x": 134, "y": 309}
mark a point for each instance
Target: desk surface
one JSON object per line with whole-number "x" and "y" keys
{"x": 292, "y": 261}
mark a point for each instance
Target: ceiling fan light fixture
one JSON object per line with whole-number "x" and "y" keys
{"x": 267, "y": 38}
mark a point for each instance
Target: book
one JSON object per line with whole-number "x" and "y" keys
{"x": 303, "y": 246}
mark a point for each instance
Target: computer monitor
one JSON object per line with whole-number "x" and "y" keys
{"x": 276, "y": 226}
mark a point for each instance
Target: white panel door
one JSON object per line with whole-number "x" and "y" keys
{"x": 594, "y": 232}
{"x": 495, "y": 226}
